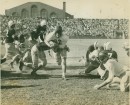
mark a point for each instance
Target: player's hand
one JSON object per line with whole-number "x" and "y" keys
{"x": 96, "y": 87}
{"x": 52, "y": 44}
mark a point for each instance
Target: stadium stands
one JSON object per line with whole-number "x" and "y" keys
{"x": 75, "y": 28}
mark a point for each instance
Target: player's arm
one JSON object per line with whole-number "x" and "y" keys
{"x": 48, "y": 39}
{"x": 87, "y": 56}
{"x": 14, "y": 34}
{"x": 109, "y": 79}
{"x": 51, "y": 43}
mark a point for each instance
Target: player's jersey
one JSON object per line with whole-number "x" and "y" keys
{"x": 50, "y": 37}
{"x": 93, "y": 54}
{"x": 112, "y": 54}
{"x": 90, "y": 49}
{"x": 9, "y": 38}
{"x": 40, "y": 32}
{"x": 115, "y": 67}
{"x": 42, "y": 46}
{"x": 64, "y": 39}
{"x": 61, "y": 41}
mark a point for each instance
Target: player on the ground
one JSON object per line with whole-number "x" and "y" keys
{"x": 112, "y": 55}
{"x": 115, "y": 69}
{"x": 90, "y": 49}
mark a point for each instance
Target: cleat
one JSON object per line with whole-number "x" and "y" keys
{"x": 21, "y": 65}
{"x": 34, "y": 73}
{"x": 63, "y": 78}
{"x": 11, "y": 64}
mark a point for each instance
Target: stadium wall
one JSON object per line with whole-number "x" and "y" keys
{"x": 37, "y": 9}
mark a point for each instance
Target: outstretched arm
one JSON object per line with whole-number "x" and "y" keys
{"x": 108, "y": 80}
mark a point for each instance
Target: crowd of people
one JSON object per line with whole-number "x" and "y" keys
{"x": 75, "y": 28}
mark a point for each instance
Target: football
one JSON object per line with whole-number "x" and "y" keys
{"x": 52, "y": 44}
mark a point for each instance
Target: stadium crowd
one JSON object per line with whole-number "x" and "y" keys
{"x": 75, "y": 28}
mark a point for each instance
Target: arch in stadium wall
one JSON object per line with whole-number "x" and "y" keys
{"x": 14, "y": 14}
{"x": 34, "y": 11}
{"x": 53, "y": 15}
{"x": 44, "y": 13}
{"x": 24, "y": 13}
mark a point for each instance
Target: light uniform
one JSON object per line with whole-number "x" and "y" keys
{"x": 115, "y": 67}
{"x": 62, "y": 52}
{"x": 50, "y": 37}
{"x": 38, "y": 55}
{"x": 117, "y": 70}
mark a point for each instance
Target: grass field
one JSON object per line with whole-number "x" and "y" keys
{"x": 49, "y": 89}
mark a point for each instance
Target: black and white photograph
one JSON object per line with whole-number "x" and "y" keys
{"x": 64, "y": 52}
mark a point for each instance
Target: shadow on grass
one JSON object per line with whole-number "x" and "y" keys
{"x": 9, "y": 75}
{"x": 88, "y": 76}
{"x": 75, "y": 67}
{"x": 68, "y": 68}
{"x": 17, "y": 86}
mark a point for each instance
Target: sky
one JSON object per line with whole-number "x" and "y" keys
{"x": 81, "y": 8}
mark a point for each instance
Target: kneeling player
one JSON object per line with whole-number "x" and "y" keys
{"x": 115, "y": 69}
{"x": 93, "y": 60}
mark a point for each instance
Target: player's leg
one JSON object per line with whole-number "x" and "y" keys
{"x": 17, "y": 53}
{"x": 125, "y": 81}
{"x": 115, "y": 82}
{"x": 23, "y": 60}
{"x": 63, "y": 54}
{"x": 35, "y": 56}
{"x": 2, "y": 60}
{"x": 91, "y": 66}
{"x": 43, "y": 59}
{"x": 8, "y": 50}
{"x": 101, "y": 72}
{"x": 57, "y": 57}
{"x": 14, "y": 59}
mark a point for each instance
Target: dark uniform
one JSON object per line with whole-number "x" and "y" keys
{"x": 40, "y": 31}
{"x": 112, "y": 54}
{"x": 90, "y": 49}
{"x": 9, "y": 38}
